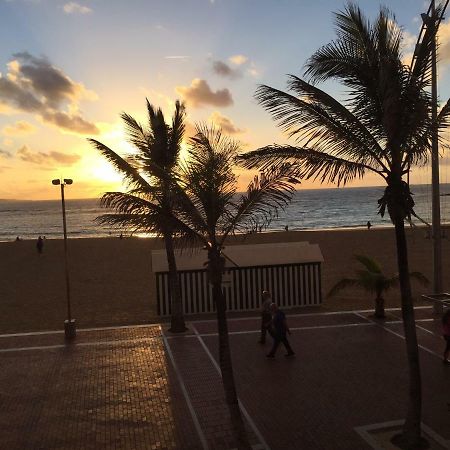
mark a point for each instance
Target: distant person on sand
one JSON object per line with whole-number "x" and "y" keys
{"x": 368, "y": 224}
{"x": 266, "y": 316}
{"x": 286, "y": 228}
{"x": 279, "y": 331}
{"x": 446, "y": 334}
{"x": 17, "y": 238}
{"x": 40, "y": 244}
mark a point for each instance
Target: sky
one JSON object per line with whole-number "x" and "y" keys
{"x": 70, "y": 68}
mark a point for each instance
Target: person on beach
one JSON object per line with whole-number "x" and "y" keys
{"x": 446, "y": 334}
{"x": 280, "y": 330}
{"x": 266, "y": 316}
{"x": 368, "y": 224}
{"x": 40, "y": 244}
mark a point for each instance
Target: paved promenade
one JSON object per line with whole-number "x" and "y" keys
{"x": 142, "y": 388}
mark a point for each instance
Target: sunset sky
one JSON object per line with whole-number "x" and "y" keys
{"x": 68, "y": 69}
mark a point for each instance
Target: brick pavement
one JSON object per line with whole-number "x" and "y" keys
{"x": 118, "y": 388}
{"x": 119, "y": 396}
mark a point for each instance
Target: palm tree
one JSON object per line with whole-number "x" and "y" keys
{"x": 373, "y": 280}
{"x": 148, "y": 201}
{"x": 209, "y": 209}
{"x": 384, "y": 128}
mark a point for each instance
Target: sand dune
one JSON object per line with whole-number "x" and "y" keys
{"x": 112, "y": 280}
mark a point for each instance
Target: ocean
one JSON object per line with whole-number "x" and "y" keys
{"x": 309, "y": 209}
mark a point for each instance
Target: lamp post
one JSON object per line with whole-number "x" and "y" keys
{"x": 70, "y": 330}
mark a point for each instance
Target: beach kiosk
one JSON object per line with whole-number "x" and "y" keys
{"x": 290, "y": 271}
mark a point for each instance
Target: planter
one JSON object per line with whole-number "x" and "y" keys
{"x": 70, "y": 329}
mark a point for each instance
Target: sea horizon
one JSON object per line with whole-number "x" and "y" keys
{"x": 310, "y": 209}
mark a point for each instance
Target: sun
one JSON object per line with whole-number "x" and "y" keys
{"x": 102, "y": 170}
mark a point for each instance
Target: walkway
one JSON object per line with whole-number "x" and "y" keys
{"x": 140, "y": 388}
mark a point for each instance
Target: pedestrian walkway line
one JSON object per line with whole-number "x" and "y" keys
{"x": 330, "y": 313}
{"x": 79, "y": 344}
{"x": 184, "y": 336}
{"x": 236, "y": 319}
{"x": 422, "y": 328}
{"x": 200, "y": 433}
{"x": 431, "y": 352}
{"x": 250, "y": 421}
{"x": 79, "y": 330}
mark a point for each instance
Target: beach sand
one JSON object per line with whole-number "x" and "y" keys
{"x": 112, "y": 282}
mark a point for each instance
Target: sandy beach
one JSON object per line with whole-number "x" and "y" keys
{"x": 112, "y": 282}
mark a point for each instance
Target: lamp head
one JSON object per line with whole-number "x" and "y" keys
{"x": 56, "y": 182}
{"x": 68, "y": 181}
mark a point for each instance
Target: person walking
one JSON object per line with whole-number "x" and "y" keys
{"x": 266, "y": 316}
{"x": 279, "y": 331}
{"x": 40, "y": 244}
{"x": 446, "y": 334}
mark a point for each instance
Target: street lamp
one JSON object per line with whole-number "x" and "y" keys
{"x": 70, "y": 330}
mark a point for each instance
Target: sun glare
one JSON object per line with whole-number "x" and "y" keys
{"x": 104, "y": 171}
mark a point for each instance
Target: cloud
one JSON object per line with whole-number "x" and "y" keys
{"x": 224, "y": 70}
{"x": 70, "y": 122}
{"x": 180, "y": 57}
{"x": 76, "y": 8}
{"x": 253, "y": 70}
{"x": 238, "y": 59}
{"x": 42, "y": 158}
{"x": 4, "y": 154}
{"x": 200, "y": 94}
{"x": 20, "y": 127}
{"x": 225, "y": 123}
{"x": 34, "y": 85}
{"x": 46, "y": 80}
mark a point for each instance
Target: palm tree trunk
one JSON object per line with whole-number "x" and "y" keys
{"x": 226, "y": 366}
{"x": 379, "y": 308}
{"x": 177, "y": 324}
{"x": 411, "y": 436}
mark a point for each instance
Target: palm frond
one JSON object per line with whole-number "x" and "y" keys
{"x": 135, "y": 132}
{"x": 209, "y": 178}
{"x": 317, "y": 120}
{"x": 422, "y": 63}
{"x": 420, "y": 278}
{"x": 176, "y": 132}
{"x": 391, "y": 282}
{"x": 343, "y": 284}
{"x": 265, "y": 195}
{"x": 443, "y": 118}
{"x": 337, "y": 60}
{"x": 131, "y": 174}
{"x": 145, "y": 216}
{"x": 126, "y": 203}
{"x": 310, "y": 164}
{"x": 160, "y": 134}
{"x": 369, "y": 263}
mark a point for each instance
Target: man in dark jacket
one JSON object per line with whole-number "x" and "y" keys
{"x": 279, "y": 329}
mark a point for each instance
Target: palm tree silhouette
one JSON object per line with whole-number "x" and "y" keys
{"x": 384, "y": 127}
{"x": 209, "y": 209}
{"x": 148, "y": 201}
{"x": 372, "y": 279}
